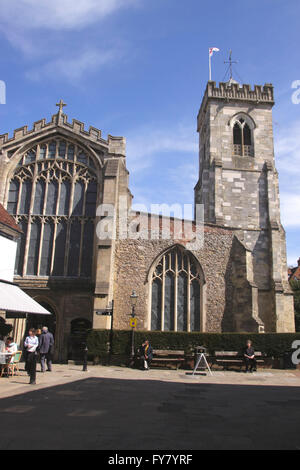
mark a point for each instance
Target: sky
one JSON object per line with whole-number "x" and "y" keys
{"x": 139, "y": 68}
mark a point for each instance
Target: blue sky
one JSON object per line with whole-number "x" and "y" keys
{"x": 138, "y": 68}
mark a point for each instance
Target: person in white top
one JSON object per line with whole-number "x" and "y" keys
{"x": 11, "y": 348}
{"x": 31, "y": 344}
{"x": 2, "y": 353}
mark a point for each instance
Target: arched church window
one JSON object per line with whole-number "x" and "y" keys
{"x": 176, "y": 292}
{"x": 237, "y": 134}
{"x": 242, "y": 138}
{"x": 247, "y": 135}
{"x": 53, "y": 195}
{"x": 13, "y": 196}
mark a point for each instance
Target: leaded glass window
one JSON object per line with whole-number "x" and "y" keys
{"x": 53, "y": 196}
{"x": 242, "y": 139}
{"x": 176, "y": 292}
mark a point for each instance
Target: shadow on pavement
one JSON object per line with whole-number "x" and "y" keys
{"x": 113, "y": 414}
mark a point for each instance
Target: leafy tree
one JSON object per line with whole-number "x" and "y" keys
{"x": 296, "y": 288}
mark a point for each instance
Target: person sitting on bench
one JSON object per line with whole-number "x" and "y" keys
{"x": 146, "y": 354}
{"x": 249, "y": 357}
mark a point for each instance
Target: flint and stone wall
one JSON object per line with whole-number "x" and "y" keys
{"x": 134, "y": 260}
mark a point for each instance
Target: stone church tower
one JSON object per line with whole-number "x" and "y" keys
{"x": 238, "y": 185}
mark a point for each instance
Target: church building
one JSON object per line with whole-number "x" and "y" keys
{"x": 55, "y": 177}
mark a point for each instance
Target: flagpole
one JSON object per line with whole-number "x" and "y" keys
{"x": 209, "y": 60}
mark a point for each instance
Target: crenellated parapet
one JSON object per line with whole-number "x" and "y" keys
{"x": 114, "y": 145}
{"x": 233, "y": 91}
{"x": 236, "y": 91}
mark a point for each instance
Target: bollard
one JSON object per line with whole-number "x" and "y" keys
{"x": 85, "y": 357}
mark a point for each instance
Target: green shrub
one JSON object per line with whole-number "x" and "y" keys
{"x": 296, "y": 288}
{"x": 98, "y": 342}
{"x": 271, "y": 344}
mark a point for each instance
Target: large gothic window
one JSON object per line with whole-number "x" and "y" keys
{"x": 176, "y": 291}
{"x": 53, "y": 195}
{"x": 242, "y": 138}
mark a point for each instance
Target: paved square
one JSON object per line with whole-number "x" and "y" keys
{"x": 115, "y": 408}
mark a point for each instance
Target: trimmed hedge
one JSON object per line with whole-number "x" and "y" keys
{"x": 118, "y": 342}
{"x": 98, "y": 342}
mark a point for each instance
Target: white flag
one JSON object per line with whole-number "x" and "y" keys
{"x": 212, "y": 50}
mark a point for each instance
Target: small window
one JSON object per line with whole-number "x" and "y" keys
{"x": 71, "y": 152}
{"x": 242, "y": 139}
{"x": 43, "y": 150}
{"x": 237, "y": 134}
{"x": 247, "y": 135}
{"x": 52, "y": 150}
{"x": 62, "y": 149}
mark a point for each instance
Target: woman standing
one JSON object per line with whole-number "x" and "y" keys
{"x": 31, "y": 344}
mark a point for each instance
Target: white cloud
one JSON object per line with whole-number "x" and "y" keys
{"x": 75, "y": 67}
{"x": 287, "y": 149}
{"x": 163, "y": 162}
{"x": 57, "y": 14}
{"x": 290, "y": 209}
{"x": 148, "y": 144}
{"x": 49, "y": 34}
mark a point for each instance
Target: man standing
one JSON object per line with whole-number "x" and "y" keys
{"x": 249, "y": 357}
{"x": 46, "y": 344}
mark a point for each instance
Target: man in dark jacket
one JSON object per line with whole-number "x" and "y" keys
{"x": 249, "y": 357}
{"x": 46, "y": 344}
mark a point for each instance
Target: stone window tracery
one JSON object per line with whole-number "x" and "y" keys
{"x": 242, "y": 138}
{"x": 53, "y": 196}
{"x": 176, "y": 292}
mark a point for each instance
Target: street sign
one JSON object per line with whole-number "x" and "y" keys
{"x": 133, "y": 322}
{"x": 104, "y": 312}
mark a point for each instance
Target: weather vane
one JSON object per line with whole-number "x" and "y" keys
{"x": 230, "y": 62}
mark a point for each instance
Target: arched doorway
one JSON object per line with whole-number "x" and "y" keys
{"x": 177, "y": 292}
{"x": 38, "y": 321}
{"x": 79, "y": 330}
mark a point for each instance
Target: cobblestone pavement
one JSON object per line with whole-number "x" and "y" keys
{"x": 119, "y": 408}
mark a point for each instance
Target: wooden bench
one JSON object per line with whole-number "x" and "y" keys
{"x": 168, "y": 357}
{"x": 234, "y": 358}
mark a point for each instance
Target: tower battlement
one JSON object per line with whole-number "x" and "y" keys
{"x": 236, "y": 92}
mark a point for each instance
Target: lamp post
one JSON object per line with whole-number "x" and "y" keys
{"x": 133, "y": 299}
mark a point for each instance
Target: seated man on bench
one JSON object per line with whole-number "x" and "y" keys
{"x": 249, "y": 357}
{"x": 146, "y": 354}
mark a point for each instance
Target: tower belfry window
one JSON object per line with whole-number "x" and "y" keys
{"x": 242, "y": 139}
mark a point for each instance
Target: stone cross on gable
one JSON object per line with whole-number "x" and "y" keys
{"x": 61, "y": 106}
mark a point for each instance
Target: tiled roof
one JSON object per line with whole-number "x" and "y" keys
{"x": 8, "y": 220}
{"x": 294, "y": 273}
